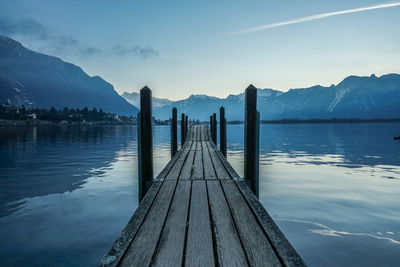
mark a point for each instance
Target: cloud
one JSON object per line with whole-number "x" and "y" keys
{"x": 316, "y": 17}
{"x": 143, "y": 52}
{"x": 58, "y": 44}
{"x": 92, "y": 51}
{"x": 24, "y": 26}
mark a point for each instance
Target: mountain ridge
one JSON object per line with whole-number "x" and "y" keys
{"x": 363, "y": 97}
{"x": 37, "y": 80}
{"x": 34, "y": 79}
{"x": 134, "y": 99}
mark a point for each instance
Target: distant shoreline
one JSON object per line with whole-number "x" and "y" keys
{"x": 105, "y": 123}
{"x": 62, "y": 123}
{"x": 306, "y": 121}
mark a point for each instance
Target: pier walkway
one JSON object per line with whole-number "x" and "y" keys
{"x": 199, "y": 212}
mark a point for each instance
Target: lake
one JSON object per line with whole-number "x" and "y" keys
{"x": 66, "y": 193}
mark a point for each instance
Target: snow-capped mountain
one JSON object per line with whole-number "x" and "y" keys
{"x": 355, "y": 97}
{"x": 38, "y": 80}
{"x": 134, "y": 99}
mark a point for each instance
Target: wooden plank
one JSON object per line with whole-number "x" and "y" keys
{"x": 197, "y": 172}
{"x": 197, "y": 133}
{"x": 218, "y": 165}
{"x": 199, "y": 244}
{"x": 124, "y": 240}
{"x": 202, "y": 133}
{"x": 209, "y": 172}
{"x": 170, "y": 164}
{"x": 171, "y": 245}
{"x": 190, "y": 133}
{"x": 186, "y": 172}
{"x": 209, "y": 135}
{"x": 194, "y": 130}
{"x": 258, "y": 250}
{"x": 233, "y": 174}
{"x": 142, "y": 247}
{"x": 177, "y": 167}
{"x": 284, "y": 249}
{"x": 228, "y": 246}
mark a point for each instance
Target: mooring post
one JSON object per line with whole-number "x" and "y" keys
{"x": 222, "y": 131}
{"x": 182, "y": 129}
{"x": 186, "y": 127}
{"x": 214, "y": 132}
{"x": 211, "y": 125}
{"x": 174, "y": 132}
{"x": 145, "y": 142}
{"x": 251, "y": 139}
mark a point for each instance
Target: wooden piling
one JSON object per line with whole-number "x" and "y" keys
{"x": 251, "y": 139}
{"x": 222, "y": 131}
{"x": 214, "y": 133}
{"x": 186, "y": 126}
{"x": 211, "y": 125}
{"x": 145, "y": 142}
{"x": 174, "y": 132}
{"x": 182, "y": 129}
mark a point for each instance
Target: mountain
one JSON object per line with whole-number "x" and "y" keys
{"x": 134, "y": 99}
{"x": 355, "y": 97}
{"x": 38, "y": 80}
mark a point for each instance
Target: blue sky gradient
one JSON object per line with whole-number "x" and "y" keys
{"x": 183, "y": 47}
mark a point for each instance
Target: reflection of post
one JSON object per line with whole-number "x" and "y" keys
{"x": 214, "y": 132}
{"x": 222, "y": 131}
{"x": 182, "y": 129}
{"x": 145, "y": 142}
{"x": 174, "y": 132}
{"x": 251, "y": 139}
{"x": 34, "y": 134}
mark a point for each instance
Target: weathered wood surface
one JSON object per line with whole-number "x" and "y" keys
{"x": 199, "y": 212}
{"x": 222, "y": 131}
{"x": 145, "y": 142}
{"x": 174, "y": 132}
{"x": 251, "y": 139}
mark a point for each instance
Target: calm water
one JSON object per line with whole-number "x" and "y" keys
{"x": 333, "y": 189}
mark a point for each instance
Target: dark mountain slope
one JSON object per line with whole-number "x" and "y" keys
{"x": 37, "y": 80}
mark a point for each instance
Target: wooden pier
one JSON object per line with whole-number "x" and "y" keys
{"x": 199, "y": 212}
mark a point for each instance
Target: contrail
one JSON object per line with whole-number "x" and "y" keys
{"x": 315, "y": 17}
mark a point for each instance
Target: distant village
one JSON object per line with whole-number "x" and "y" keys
{"x": 10, "y": 114}
{"x": 20, "y": 115}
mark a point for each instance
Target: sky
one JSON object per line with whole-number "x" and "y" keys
{"x": 179, "y": 48}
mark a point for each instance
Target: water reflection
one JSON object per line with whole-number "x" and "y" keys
{"x": 333, "y": 189}
{"x": 38, "y": 161}
{"x": 69, "y": 191}
{"x": 356, "y": 143}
